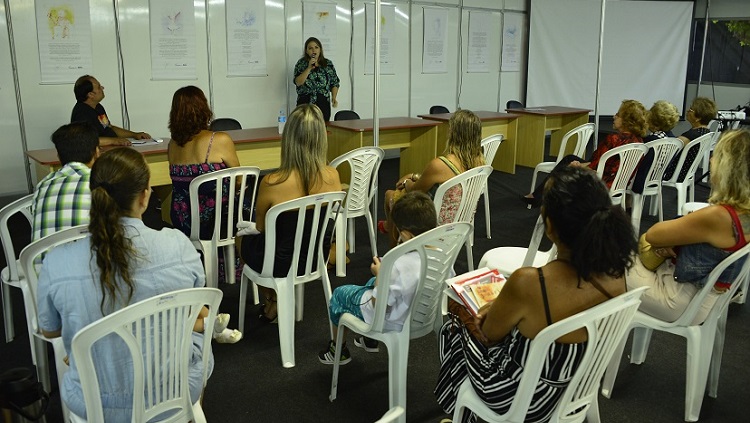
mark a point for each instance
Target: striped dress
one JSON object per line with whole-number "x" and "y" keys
{"x": 495, "y": 372}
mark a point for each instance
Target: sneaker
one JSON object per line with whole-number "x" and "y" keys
{"x": 368, "y": 344}
{"x": 327, "y": 355}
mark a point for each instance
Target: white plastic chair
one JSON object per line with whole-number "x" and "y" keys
{"x": 317, "y": 209}
{"x": 686, "y": 188}
{"x": 224, "y": 228}
{"x": 508, "y": 259}
{"x": 437, "y": 249}
{"x": 664, "y": 150}
{"x": 472, "y": 182}
{"x": 489, "y": 150}
{"x": 605, "y": 325}
{"x": 29, "y": 265}
{"x": 10, "y": 275}
{"x": 705, "y": 341}
{"x": 713, "y": 126}
{"x": 158, "y": 333}
{"x": 582, "y": 133}
{"x": 364, "y": 163}
{"x": 630, "y": 156}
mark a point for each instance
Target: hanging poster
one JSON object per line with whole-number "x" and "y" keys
{"x": 478, "y": 56}
{"x": 172, "y": 25}
{"x": 64, "y": 37}
{"x": 512, "y": 37}
{"x": 246, "y": 38}
{"x": 387, "y": 24}
{"x": 435, "y": 40}
{"x": 319, "y": 21}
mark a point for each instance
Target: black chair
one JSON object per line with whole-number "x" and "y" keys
{"x": 434, "y": 110}
{"x": 346, "y": 115}
{"x": 225, "y": 124}
{"x": 514, "y": 104}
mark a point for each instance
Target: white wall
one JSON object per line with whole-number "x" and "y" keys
{"x": 254, "y": 101}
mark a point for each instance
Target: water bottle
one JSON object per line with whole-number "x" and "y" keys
{"x": 282, "y": 120}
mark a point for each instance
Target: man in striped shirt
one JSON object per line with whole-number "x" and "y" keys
{"x": 63, "y": 199}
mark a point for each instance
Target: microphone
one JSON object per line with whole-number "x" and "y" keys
{"x": 315, "y": 56}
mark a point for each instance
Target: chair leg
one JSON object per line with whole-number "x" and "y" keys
{"x": 487, "y": 210}
{"x": 610, "y": 375}
{"x": 211, "y": 263}
{"x": 398, "y": 357}
{"x": 715, "y": 366}
{"x": 350, "y": 237}
{"x": 61, "y": 368}
{"x": 299, "y": 301}
{"x": 7, "y": 312}
{"x": 230, "y": 270}
{"x": 470, "y": 253}
{"x": 341, "y": 224}
{"x": 743, "y": 291}
{"x": 243, "y": 301}
{"x": 653, "y": 205}
{"x": 336, "y": 365}
{"x": 700, "y": 342}
{"x": 635, "y": 217}
{"x": 592, "y": 414}
{"x": 533, "y": 181}
{"x": 660, "y": 196}
{"x": 285, "y": 297}
{"x": 681, "y": 197}
{"x": 39, "y": 347}
{"x": 641, "y": 340}
{"x": 371, "y": 232}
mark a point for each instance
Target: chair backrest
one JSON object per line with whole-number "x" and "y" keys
{"x": 703, "y": 142}
{"x": 536, "y": 239}
{"x": 317, "y": 210}
{"x": 582, "y": 134}
{"x": 489, "y": 147}
{"x": 22, "y": 205}
{"x": 630, "y": 156}
{"x": 225, "y": 124}
{"x": 434, "y": 110}
{"x": 606, "y": 324}
{"x": 472, "y": 184}
{"x": 665, "y": 149}
{"x": 158, "y": 333}
{"x": 228, "y": 182}
{"x": 740, "y": 257}
{"x": 514, "y": 104}
{"x": 364, "y": 163}
{"x": 437, "y": 249}
{"x": 714, "y": 125}
{"x": 346, "y": 115}
{"x": 29, "y": 265}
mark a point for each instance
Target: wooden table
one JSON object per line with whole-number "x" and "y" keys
{"x": 255, "y": 147}
{"x": 492, "y": 123}
{"x": 416, "y": 138}
{"x": 535, "y": 121}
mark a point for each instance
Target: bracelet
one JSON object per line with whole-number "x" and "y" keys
{"x": 415, "y": 177}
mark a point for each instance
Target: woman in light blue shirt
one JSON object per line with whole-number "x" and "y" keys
{"x": 121, "y": 262}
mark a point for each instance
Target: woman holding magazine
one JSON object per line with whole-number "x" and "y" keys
{"x": 595, "y": 244}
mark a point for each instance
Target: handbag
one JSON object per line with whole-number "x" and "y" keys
{"x": 647, "y": 254}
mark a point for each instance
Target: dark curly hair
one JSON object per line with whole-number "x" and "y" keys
{"x": 189, "y": 115}
{"x": 599, "y": 235}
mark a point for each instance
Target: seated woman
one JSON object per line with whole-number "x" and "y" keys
{"x": 630, "y": 124}
{"x": 661, "y": 119}
{"x": 697, "y": 242}
{"x": 121, "y": 262}
{"x": 595, "y": 244}
{"x": 303, "y": 172}
{"x": 462, "y": 152}
{"x": 699, "y": 115}
{"x": 193, "y": 151}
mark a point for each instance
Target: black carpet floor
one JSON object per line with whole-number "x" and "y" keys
{"x": 249, "y": 383}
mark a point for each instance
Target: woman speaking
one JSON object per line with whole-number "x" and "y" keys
{"x": 316, "y": 79}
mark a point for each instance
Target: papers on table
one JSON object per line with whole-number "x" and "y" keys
{"x": 146, "y": 141}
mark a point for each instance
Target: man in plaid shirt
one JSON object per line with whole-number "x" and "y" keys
{"x": 63, "y": 199}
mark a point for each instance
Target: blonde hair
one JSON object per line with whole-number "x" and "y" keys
{"x": 662, "y": 116}
{"x": 730, "y": 170}
{"x": 704, "y": 109}
{"x": 304, "y": 144}
{"x": 464, "y": 138}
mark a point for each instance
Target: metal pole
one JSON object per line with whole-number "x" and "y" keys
{"x": 599, "y": 73}
{"x": 376, "y": 79}
{"x": 703, "y": 52}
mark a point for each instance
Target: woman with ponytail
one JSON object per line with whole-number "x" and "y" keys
{"x": 595, "y": 245}
{"x": 120, "y": 263}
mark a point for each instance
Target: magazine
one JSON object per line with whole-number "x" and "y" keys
{"x": 475, "y": 289}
